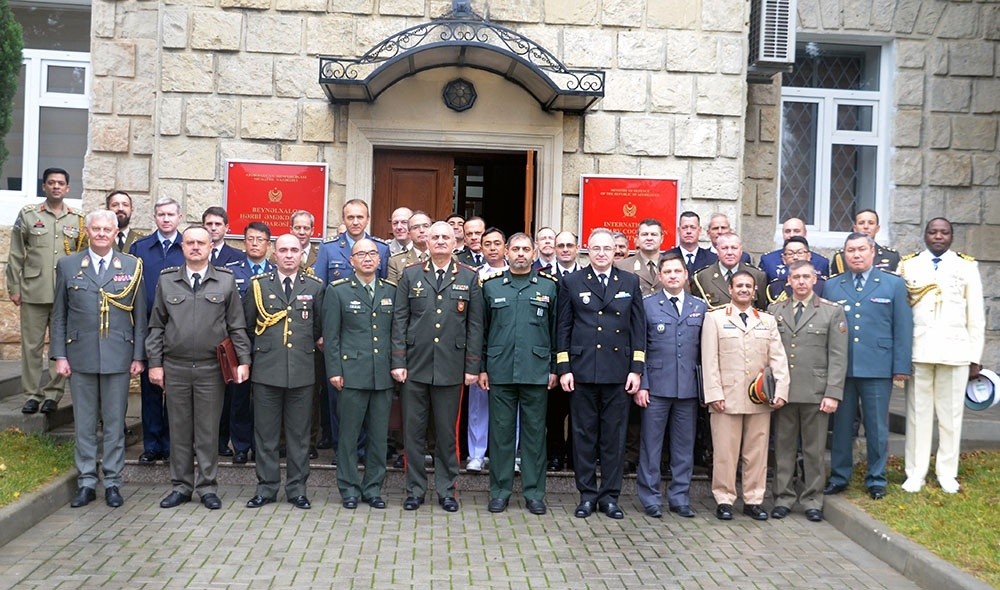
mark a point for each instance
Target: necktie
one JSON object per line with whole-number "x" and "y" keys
{"x": 859, "y": 282}
{"x": 652, "y": 268}
{"x": 371, "y": 291}
{"x": 798, "y": 312}
{"x": 166, "y": 247}
{"x": 935, "y": 260}
{"x": 729, "y": 276}
{"x": 440, "y": 280}
{"x": 256, "y": 269}
{"x": 479, "y": 259}
{"x": 677, "y": 307}
{"x": 604, "y": 280}
{"x": 743, "y": 316}
{"x": 288, "y": 288}
{"x": 215, "y": 255}
{"x": 100, "y": 269}
{"x": 121, "y": 242}
{"x": 197, "y": 281}
{"x": 690, "y": 260}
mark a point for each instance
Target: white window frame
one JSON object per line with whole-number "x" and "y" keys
{"x": 36, "y": 63}
{"x": 820, "y": 235}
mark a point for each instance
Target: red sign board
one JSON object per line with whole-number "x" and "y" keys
{"x": 619, "y": 203}
{"x": 271, "y": 191}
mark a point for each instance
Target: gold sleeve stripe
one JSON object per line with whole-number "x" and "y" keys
{"x": 639, "y": 356}
{"x": 562, "y": 357}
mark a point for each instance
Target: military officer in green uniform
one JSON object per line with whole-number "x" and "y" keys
{"x": 712, "y": 282}
{"x": 357, "y": 324}
{"x": 519, "y": 369}
{"x": 42, "y": 234}
{"x": 283, "y": 313}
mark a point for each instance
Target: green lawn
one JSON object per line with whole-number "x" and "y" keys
{"x": 960, "y": 528}
{"x": 29, "y": 461}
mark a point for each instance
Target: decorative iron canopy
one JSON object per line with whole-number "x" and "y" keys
{"x": 461, "y": 39}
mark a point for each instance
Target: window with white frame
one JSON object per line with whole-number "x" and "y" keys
{"x": 834, "y": 135}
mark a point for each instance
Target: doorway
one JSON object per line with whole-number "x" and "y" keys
{"x": 497, "y": 186}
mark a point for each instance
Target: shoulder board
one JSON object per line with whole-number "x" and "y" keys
{"x": 648, "y": 296}
{"x": 262, "y": 275}
{"x": 776, "y": 279}
{"x": 886, "y": 248}
{"x": 748, "y": 265}
{"x": 234, "y": 263}
{"x": 493, "y": 275}
{"x": 400, "y": 254}
{"x": 313, "y": 277}
{"x": 340, "y": 281}
{"x": 30, "y": 208}
{"x": 224, "y": 269}
{"x": 693, "y": 296}
{"x": 467, "y": 267}
{"x": 965, "y": 257}
{"x": 414, "y": 263}
{"x": 835, "y": 275}
{"x": 170, "y": 269}
{"x": 333, "y": 239}
{"x": 552, "y": 278}
{"x": 73, "y": 211}
{"x": 388, "y": 282}
{"x": 378, "y": 240}
{"x": 890, "y": 272}
{"x": 828, "y": 302}
{"x": 909, "y": 256}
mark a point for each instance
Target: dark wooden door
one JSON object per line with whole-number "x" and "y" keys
{"x": 418, "y": 180}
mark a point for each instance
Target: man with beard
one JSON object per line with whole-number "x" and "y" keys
{"x": 121, "y": 204}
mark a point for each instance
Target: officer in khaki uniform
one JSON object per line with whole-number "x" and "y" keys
{"x": 357, "y": 326}
{"x": 518, "y": 370}
{"x": 712, "y": 283}
{"x": 42, "y": 234}
{"x": 814, "y": 333}
{"x": 419, "y": 224}
{"x": 283, "y": 312}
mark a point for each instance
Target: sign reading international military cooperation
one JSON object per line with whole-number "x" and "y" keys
{"x": 619, "y": 203}
{"x": 272, "y": 191}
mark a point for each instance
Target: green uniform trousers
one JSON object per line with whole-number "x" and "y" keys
{"x": 425, "y": 404}
{"x": 357, "y": 409}
{"x": 35, "y": 318}
{"x": 504, "y": 403}
{"x": 272, "y": 408}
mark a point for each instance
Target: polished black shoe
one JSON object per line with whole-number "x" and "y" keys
{"x": 258, "y": 501}
{"x": 497, "y": 504}
{"x": 834, "y": 488}
{"x": 584, "y": 509}
{"x": 612, "y": 510}
{"x": 240, "y": 458}
{"x": 780, "y": 512}
{"x": 630, "y": 466}
{"x": 174, "y": 499}
{"x": 449, "y": 504}
{"x": 350, "y": 502}
{"x": 536, "y": 507}
{"x": 399, "y": 461}
{"x": 876, "y": 492}
{"x": 313, "y": 453}
{"x": 555, "y": 464}
{"x": 83, "y": 497}
{"x": 302, "y": 503}
{"x": 30, "y": 407}
{"x": 376, "y": 502}
{"x": 324, "y": 444}
{"x": 49, "y": 406}
{"x": 112, "y": 497}
{"x": 148, "y": 457}
{"x": 412, "y": 503}
{"x": 755, "y": 511}
{"x": 653, "y": 511}
{"x": 225, "y": 452}
{"x": 211, "y": 501}
{"x": 724, "y": 511}
{"x": 683, "y": 510}
{"x": 814, "y": 515}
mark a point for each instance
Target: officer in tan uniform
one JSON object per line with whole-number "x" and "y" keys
{"x": 42, "y": 234}
{"x": 420, "y": 225}
{"x": 712, "y": 282}
{"x": 645, "y": 263}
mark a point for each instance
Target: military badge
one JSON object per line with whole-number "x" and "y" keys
{"x": 661, "y": 328}
{"x": 842, "y": 327}
{"x": 460, "y": 305}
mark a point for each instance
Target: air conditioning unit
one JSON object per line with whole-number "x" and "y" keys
{"x": 772, "y": 39}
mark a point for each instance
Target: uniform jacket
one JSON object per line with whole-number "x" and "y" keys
{"x": 601, "y": 334}
{"x": 91, "y": 341}
{"x": 673, "y": 349}
{"x": 520, "y": 328}
{"x": 284, "y": 352}
{"x": 885, "y": 258}
{"x": 229, "y": 254}
{"x": 879, "y": 324}
{"x": 649, "y": 280}
{"x": 397, "y": 262}
{"x": 549, "y": 268}
{"x": 131, "y": 236}
{"x": 948, "y": 316}
{"x": 437, "y": 334}
{"x": 395, "y": 247}
{"x": 779, "y": 289}
{"x": 310, "y": 259}
{"x": 709, "y": 284}
{"x": 774, "y": 267}
{"x": 150, "y": 250}
{"x": 333, "y": 261}
{"x": 187, "y": 326}
{"x": 243, "y": 271}
{"x": 816, "y": 347}
{"x": 733, "y": 354}
{"x": 468, "y": 257}
{"x": 38, "y": 240}
{"x": 704, "y": 257}
{"x": 357, "y": 333}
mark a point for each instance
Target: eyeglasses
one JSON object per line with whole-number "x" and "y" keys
{"x": 366, "y": 254}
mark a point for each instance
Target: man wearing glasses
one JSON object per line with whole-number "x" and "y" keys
{"x": 795, "y": 248}
{"x": 557, "y": 417}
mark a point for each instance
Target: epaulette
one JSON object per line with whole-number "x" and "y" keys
{"x": 965, "y": 257}
{"x": 887, "y": 248}
{"x": 333, "y": 239}
{"x": 29, "y": 208}
{"x": 909, "y": 256}
{"x": 552, "y": 278}
{"x": 463, "y": 265}
{"x": 313, "y": 277}
{"x": 262, "y": 275}
{"x": 388, "y": 282}
{"x": 378, "y": 240}
{"x": 648, "y": 296}
{"x": 827, "y": 302}
{"x": 493, "y": 275}
{"x": 73, "y": 211}
{"x": 414, "y": 263}
{"x": 234, "y": 263}
{"x": 340, "y": 281}
{"x": 835, "y": 275}
{"x": 224, "y": 269}
{"x": 170, "y": 269}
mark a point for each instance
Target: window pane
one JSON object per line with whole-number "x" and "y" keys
{"x": 10, "y": 175}
{"x": 798, "y": 161}
{"x": 66, "y": 80}
{"x": 51, "y": 27}
{"x": 852, "y": 117}
{"x": 852, "y": 183}
{"x": 62, "y": 143}
{"x": 839, "y": 67}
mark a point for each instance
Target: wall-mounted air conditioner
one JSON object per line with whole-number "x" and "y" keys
{"x": 772, "y": 39}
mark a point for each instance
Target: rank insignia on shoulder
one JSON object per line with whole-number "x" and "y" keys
{"x": 339, "y": 282}
{"x": 170, "y": 269}
{"x": 965, "y": 257}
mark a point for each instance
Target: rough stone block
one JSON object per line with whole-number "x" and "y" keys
{"x": 730, "y": 138}
{"x": 831, "y": 16}
{"x": 645, "y": 136}
{"x": 857, "y": 14}
{"x": 199, "y": 196}
{"x": 274, "y": 34}
{"x": 330, "y": 35}
{"x": 769, "y": 123}
{"x": 211, "y": 117}
{"x": 906, "y": 203}
{"x": 963, "y": 205}
{"x": 175, "y": 27}
{"x": 951, "y": 94}
{"x": 572, "y": 127}
{"x": 600, "y": 133}
{"x": 187, "y": 158}
{"x": 991, "y": 23}
{"x": 571, "y": 12}
{"x": 982, "y": 242}
{"x": 908, "y": 167}
{"x": 587, "y": 48}
{"x": 725, "y": 16}
{"x": 970, "y": 58}
{"x": 525, "y": 11}
{"x": 617, "y": 164}
{"x": 938, "y": 131}
{"x": 187, "y": 72}
{"x": 974, "y": 133}
{"x": 139, "y": 23}
{"x": 300, "y": 5}
{"x": 299, "y": 153}
{"x": 216, "y": 30}
{"x": 673, "y": 14}
{"x": 764, "y": 94}
{"x": 928, "y": 17}
{"x": 133, "y": 174}
{"x": 696, "y": 138}
{"x": 958, "y": 21}
{"x": 622, "y": 13}
{"x": 109, "y": 134}
{"x": 882, "y": 13}
{"x": 762, "y": 164}
{"x": 169, "y": 119}
{"x": 689, "y": 51}
{"x": 732, "y": 59}
{"x": 99, "y": 172}
{"x": 318, "y": 122}
{"x": 414, "y": 8}
{"x": 547, "y": 37}
{"x": 986, "y": 96}
{"x": 937, "y": 57}
{"x": 986, "y": 169}
{"x": 907, "y": 128}
{"x": 269, "y": 119}
{"x": 253, "y": 4}
{"x": 671, "y": 93}
{"x": 721, "y": 95}
{"x": 949, "y": 169}
{"x": 667, "y": 168}
{"x": 102, "y": 96}
{"x": 370, "y": 31}
{"x": 624, "y": 91}
{"x": 295, "y": 77}
{"x": 102, "y": 23}
{"x": 575, "y": 165}
{"x": 135, "y": 98}
{"x": 808, "y": 16}
{"x": 910, "y": 54}
{"x": 142, "y": 136}
{"x": 640, "y": 50}
{"x": 234, "y": 149}
{"x": 148, "y": 56}
{"x": 767, "y": 207}
{"x": 113, "y": 58}
{"x": 716, "y": 179}
{"x": 991, "y": 207}
{"x": 909, "y": 89}
{"x": 247, "y": 74}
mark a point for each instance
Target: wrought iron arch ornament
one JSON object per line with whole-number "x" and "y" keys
{"x": 463, "y": 40}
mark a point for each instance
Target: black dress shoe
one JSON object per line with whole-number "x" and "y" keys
{"x": 148, "y": 457}
{"x": 876, "y": 492}
{"x": 724, "y": 511}
{"x": 536, "y": 506}
{"x": 497, "y": 504}
{"x": 755, "y": 511}
{"x": 302, "y": 503}
{"x": 683, "y": 510}
{"x": 258, "y": 501}
{"x": 324, "y": 444}
{"x": 654, "y": 511}
{"x": 834, "y": 488}
{"x": 584, "y": 509}
{"x": 225, "y": 452}
{"x": 211, "y": 501}
{"x": 174, "y": 499}
{"x": 412, "y": 503}
{"x": 612, "y": 510}
{"x": 49, "y": 406}
{"x": 780, "y": 512}
{"x": 83, "y": 497}
{"x": 313, "y": 453}
{"x": 112, "y": 497}
{"x": 376, "y": 502}
{"x": 240, "y": 458}
{"x": 30, "y": 407}
{"x": 350, "y": 502}
{"x": 449, "y": 504}
{"x": 814, "y": 515}
{"x": 554, "y": 464}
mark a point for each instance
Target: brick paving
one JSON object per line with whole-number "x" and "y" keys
{"x": 141, "y": 546}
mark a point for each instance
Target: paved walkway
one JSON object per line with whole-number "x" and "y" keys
{"x": 143, "y": 546}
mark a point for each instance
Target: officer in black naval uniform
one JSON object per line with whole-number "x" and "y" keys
{"x": 866, "y": 222}
{"x": 601, "y": 337}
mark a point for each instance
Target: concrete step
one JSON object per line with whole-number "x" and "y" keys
{"x": 10, "y": 378}
{"x": 11, "y": 416}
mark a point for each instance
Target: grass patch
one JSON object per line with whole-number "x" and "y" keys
{"x": 29, "y": 461}
{"x": 960, "y": 528}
